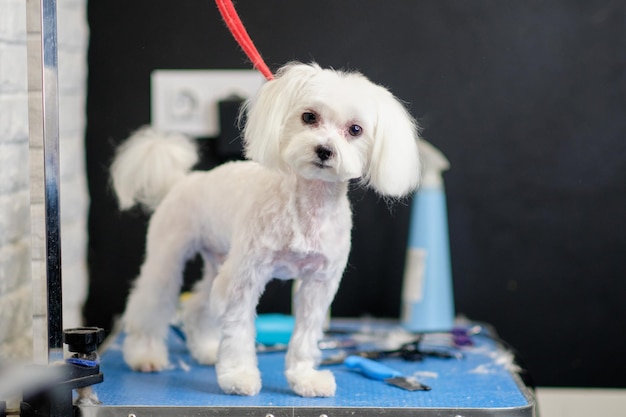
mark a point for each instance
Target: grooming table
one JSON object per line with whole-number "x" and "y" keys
{"x": 479, "y": 384}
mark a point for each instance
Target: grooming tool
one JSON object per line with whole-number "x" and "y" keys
{"x": 332, "y": 343}
{"x": 410, "y": 351}
{"x": 462, "y": 337}
{"x": 324, "y": 344}
{"x": 378, "y": 371}
{"x": 274, "y": 329}
{"x": 273, "y": 332}
{"x": 427, "y": 293}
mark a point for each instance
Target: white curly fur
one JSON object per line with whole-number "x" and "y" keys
{"x": 165, "y": 159}
{"x": 284, "y": 214}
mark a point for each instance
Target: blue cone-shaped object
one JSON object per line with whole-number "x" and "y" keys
{"x": 427, "y": 294}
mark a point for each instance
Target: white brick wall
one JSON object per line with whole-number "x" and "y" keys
{"x": 15, "y": 242}
{"x": 15, "y": 289}
{"x": 72, "y": 56}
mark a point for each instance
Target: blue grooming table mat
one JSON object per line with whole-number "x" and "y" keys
{"x": 479, "y": 384}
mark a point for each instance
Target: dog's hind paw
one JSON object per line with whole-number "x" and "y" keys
{"x": 240, "y": 381}
{"x": 312, "y": 383}
{"x": 205, "y": 351}
{"x": 145, "y": 353}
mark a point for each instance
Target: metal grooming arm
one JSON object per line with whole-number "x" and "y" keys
{"x": 44, "y": 175}
{"x": 81, "y": 370}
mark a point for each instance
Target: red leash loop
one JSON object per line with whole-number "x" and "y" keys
{"x": 236, "y": 27}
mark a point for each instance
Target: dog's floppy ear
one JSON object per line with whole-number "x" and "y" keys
{"x": 266, "y": 113}
{"x": 394, "y": 168}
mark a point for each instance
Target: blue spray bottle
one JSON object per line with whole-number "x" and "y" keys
{"x": 427, "y": 295}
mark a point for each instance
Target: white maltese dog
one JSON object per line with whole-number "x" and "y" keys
{"x": 283, "y": 214}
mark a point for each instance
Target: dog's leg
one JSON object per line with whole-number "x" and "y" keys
{"x": 154, "y": 297}
{"x": 200, "y": 322}
{"x": 235, "y": 295}
{"x": 150, "y": 307}
{"x": 313, "y": 299}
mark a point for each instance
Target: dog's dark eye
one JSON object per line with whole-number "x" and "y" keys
{"x": 309, "y": 118}
{"x": 355, "y": 130}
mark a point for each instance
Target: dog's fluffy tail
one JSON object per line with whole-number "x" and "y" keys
{"x": 148, "y": 165}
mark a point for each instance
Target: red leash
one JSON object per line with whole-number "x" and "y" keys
{"x": 236, "y": 27}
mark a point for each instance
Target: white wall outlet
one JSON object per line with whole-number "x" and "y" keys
{"x": 186, "y": 101}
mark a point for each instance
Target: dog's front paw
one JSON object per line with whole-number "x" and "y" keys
{"x": 145, "y": 353}
{"x": 240, "y": 380}
{"x": 311, "y": 382}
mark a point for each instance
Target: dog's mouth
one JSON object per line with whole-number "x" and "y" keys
{"x": 321, "y": 165}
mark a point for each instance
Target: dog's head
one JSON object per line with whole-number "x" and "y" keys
{"x": 333, "y": 126}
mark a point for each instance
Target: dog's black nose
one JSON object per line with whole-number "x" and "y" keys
{"x": 323, "y": 153}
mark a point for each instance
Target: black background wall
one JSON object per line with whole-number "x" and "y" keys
{"x": 527, "y": 100}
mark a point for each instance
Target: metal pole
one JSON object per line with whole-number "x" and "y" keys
{"x": 44, "y": 156}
